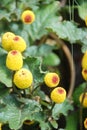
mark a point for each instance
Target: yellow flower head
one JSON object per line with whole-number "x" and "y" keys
{"x": 84, "y": 74}
{"x": 14, "y": 60}
{"x": 84, "y": 100}
{"x": 86, "y": 20}
{"x": 58, "y": 95}
{"x": 18, "y": 43}
{"x": 28, "y": 17}
{"x": 84, "y": 60}
{"x": 23, "y": 78}
{"x": 7, "y": 40}
{"x": 51, "y": 79}
{"x": 85, "y": 123}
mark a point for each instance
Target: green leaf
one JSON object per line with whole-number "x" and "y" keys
{"x": 67, "y": 30}
{"x": 40, "y": 50}
{"x": 80, "y": 2}
{"x": 62, "y": 108}
{"x": 72, "y": 121}
{"x": 47, "y": 1}
{"x": 33, "y": 4}
{"x": 34, "y": 65}
{"x": 82, "y": 9}
{"x": 77, "y": 93}
{"x": 5, "y": 15}
{"x": 5, "y": 2}
{"x": 84, "y": 48}
{"x": 45, "y": 126}
{"x": 5, "y": 73}
{"x": 31, "y": 51}
{"x": 40, "y": 93}
{"x": 44, "y": 17}
{"x": 54, "y": 123}
{"x": 45, "y": 49}
{"x": 51, "y": 59}
{"x": 3, "y": 91}
{"x": 15, "y": 113}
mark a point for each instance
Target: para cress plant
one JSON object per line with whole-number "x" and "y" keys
{"x": 33, "y": 36}
{"x": 23, "y": 89}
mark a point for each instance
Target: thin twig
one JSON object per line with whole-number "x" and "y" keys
{"x": 16, "y": 3}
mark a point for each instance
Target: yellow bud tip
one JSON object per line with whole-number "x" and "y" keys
{"x": 28, "y": 19}
{"x": 60, "y": 91}
{"x": 16, "y": 38}
{"x": 85, "y": 71}
{"x": 54, "y": 79}
{"x": 84, "y": 74}
{"x": 14, "y": 52}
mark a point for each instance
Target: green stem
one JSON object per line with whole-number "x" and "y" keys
{"x": 81, "y": 108}
{"x": 52, "y": 105}
{"x": 16, "y": 3}
{"x": 44, "y": 103}
{"x": 24, "y": 93}
{"x": 36, "y": 88}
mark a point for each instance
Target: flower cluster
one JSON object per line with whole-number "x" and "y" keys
{"x": 58, "y": 94}
{"x": 83, "y": 95}
{"x": 15, "y": 45}
{"x": 10, "y": 41}
{"x": 23, "y": 78}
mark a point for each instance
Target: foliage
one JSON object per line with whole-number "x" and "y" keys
{"x": 40, "y": 57}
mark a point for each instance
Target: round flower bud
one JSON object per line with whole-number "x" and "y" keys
{"x": 84, "y": 100}
{"x": 84, "y": 74}
{"x": 7, "y": 40}
{"x": 51, "y": 79}
{"x": 58, "y": 95}
{"x": 85, "y": 123}
{"x": 23, "y": 78}
{"x": 14, "y": 60}
{"x": 28, "y": 17}
{"x": 18, "y": 43}
{"x": 84, "y": 60}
